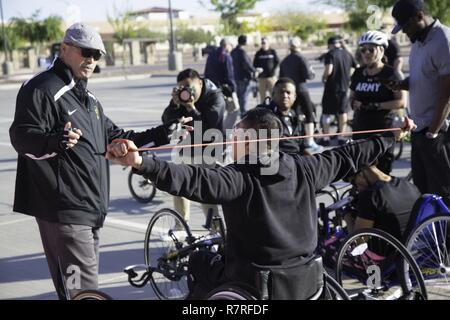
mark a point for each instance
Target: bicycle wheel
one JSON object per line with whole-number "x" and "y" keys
{"x": 373, "y": 265}
{"x": 429, "y": 244}
{"x": 141, "y": 189}
{"x": 166, "y": 234}
{"x": 91, "y": 295}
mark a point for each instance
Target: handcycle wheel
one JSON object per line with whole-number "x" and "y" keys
{"x": 141, "y": 189}
{"x": 333, "y": 290}
{"x": 373, "y": 265}
{"x": 91, "y": 295}
{"x": 166, "y": 234}
{"x": 429, "y": 244}
{"x": 232, "y": 291}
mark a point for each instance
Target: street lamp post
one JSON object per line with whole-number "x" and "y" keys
{"x": 6, "y": 66}
{"x": 175, "y": 57}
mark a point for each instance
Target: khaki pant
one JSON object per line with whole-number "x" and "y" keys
{"x": 183, "y": 207}
{"x": 266, "y": 87}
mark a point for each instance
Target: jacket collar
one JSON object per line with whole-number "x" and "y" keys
{"x": 66, "y": 74}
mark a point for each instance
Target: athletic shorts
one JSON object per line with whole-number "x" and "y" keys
{"x": 334, "y": 102}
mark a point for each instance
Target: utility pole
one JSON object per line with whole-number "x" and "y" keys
{"x": 175, "y": 57}
{"x": 6, "y": 66}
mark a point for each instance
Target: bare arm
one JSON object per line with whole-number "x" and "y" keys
{"x": 399, "y": 101}
{"x": 327, "y": 72}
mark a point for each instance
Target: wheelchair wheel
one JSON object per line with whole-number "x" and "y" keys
{"x": 333, "y": 290}
{"x": 429, "y": 244}
{"x": 373, "y": 265}
{"x": 141, "y": 189}
{"x": 167, "y": 233}
{"x": 231, "y": 292}
{"x": 91, "y": 295}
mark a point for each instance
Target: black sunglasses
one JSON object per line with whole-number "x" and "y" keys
{"x": 87, "y": 53}
{"x": 364, "y": 50}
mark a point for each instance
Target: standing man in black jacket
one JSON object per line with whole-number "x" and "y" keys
{"x": 206, "y": 106}
{"x": 62, "y": 177}
{"x": 296, "y": 67}
{"x": 243, "y": 72}
{"x": 270, "y": 215}
{"x": 267, "y": 59}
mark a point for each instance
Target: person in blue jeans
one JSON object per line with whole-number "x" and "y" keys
{"x": 243, "y": 71}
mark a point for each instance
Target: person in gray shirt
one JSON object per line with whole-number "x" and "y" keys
{"x": 429, "y": 91}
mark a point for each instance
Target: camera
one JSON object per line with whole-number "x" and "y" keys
{"x": 185, "y": 94}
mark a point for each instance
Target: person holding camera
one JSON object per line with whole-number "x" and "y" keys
{"x": 200, "y": 99}
{"x": 372, "y": 101}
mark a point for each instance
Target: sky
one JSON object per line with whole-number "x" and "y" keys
{"x": 97, "y": 10}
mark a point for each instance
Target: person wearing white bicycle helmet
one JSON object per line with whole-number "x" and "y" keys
{"x": 373, "y": 102}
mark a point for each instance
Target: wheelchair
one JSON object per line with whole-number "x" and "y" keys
{"x": 281, "y": 283}
{"x": 385, "y": 268}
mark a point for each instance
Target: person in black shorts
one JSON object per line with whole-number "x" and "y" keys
{"x": 336, "y": 77}
{"x": 296, "y": 67}
{"x": 382, "y": 202}
{"x": 372, "y": 101}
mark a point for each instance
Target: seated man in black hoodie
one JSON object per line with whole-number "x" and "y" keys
{"x": 283, "y": 99}
{"x": 205, "y": 104}
{"x": 268, "y": 198}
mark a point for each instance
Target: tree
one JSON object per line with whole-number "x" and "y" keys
{"x": 297, "y": 23}
{"x": 191, "y": 36}
{"x": 36, "y": 31}
{"x": 230, "y": 10}
{"x": 14, "y": 39}
{"x": 122, "y": 24}
{"x": 438, "y": 8}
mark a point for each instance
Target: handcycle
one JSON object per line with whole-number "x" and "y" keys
{"x": 168, "y": 244}
{"x": 426, "y": 239}
{"x": 369, "y": 264}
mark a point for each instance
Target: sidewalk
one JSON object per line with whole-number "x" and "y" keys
{"x": 109, "y": 73}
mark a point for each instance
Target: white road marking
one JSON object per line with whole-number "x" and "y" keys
{"x": 14, "y": 221}
{"x": 124, "y": 223}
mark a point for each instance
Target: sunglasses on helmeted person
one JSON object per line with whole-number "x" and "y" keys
{"x": 364, "y": 50}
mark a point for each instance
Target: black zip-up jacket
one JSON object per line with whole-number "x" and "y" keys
{"x": 291, "y": 127}
{"x": 267, "y": 60}
{"x": 209, "y": 110}
{"x": 296, "y": 67}
{"x": 243, "y": 67}
{"x": 270, "y": 218}
{"x": 58, "y": 185}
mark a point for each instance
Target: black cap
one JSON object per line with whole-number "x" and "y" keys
{"x": 404, "y": 10}
{"x": 242, "y": 40}
{"x": 333, "y": 40}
